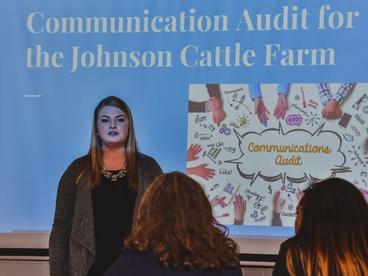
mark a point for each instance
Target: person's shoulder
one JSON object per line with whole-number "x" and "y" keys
{"x": 133, "y": 262}
{"x": 232, "y": 271}
{"x": 135, "y": 259}
{"x": 77, "y": 165}
{"x": 284, "y": 246}
{"x": 287, "y": 242}
{"x": 147, "y": 162}
{"x": 141, "y": 157}
{"x": 137, "y": 255}
{"x": 280, "y": 265}
{"x": 79, "y": 162}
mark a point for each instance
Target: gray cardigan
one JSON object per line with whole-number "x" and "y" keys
{"x": 72, "y": 241}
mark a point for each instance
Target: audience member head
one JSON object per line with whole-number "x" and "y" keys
{"x": 331, "y": 231}
{"x": 175, "y": 221}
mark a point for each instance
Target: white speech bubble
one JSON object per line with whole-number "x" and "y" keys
{"x": 297, "y": 155}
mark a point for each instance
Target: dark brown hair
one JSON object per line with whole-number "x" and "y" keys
{"x": 95, "y": 153}
{"x": 332, "y": 235}
{"x": 175, "y": 221}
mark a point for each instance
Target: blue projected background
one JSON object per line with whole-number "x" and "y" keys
{"x": 60, "y": 58}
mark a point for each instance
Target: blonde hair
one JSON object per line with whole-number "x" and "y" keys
{"x": 95, "y": 153}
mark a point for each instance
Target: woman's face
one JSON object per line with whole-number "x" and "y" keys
{"x": 112, "y": 126}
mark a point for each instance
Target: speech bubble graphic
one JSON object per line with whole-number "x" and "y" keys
{"x": 297, "y": 155}
{"x": 294, "y": 119}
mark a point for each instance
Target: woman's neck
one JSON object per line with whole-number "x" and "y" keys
{"x": 113, "y": 158}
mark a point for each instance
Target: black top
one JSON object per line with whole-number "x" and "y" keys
{"x": 136, "y": 263}
{"x": 280, "y": 268}
{"x": 72, "y": 247}
{"x": 113, "y": 207}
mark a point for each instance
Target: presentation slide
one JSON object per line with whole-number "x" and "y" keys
{"x": 270, "y": 142}
{"x": 254, "y": 99}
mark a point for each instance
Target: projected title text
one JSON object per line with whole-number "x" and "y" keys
{"x": 236, "y": 54}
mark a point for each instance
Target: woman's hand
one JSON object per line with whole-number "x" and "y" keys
{"x": 261, "y": 110}
{"x": 201, "y": 171}
{"x": 281, "y": 107}
{"x": 218, "y": 201}
{"x": 193, "y": 151}
{"x": 278, "y": 203}
{"x": 215, "y": 105}
{"x": 239, "y": 209}
{"x": 332, "y": 110}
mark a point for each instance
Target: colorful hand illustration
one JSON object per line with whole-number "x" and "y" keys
{"x": 281, "y": 106}
{"x": 215, "y": 105}
{"x": 201, "y": 171}
{"x": 299, "y": 195}
{"x": 332, "y": 110}
{"x": 218, "y": 201}
{"x": 193, "y": 151}
{"x": 278, "y": 203}
{"x": 239, "y": 209}
{"x": 218, "y": 116}
{"x": 261, "y": 110}
{"x": 365, "y": 194}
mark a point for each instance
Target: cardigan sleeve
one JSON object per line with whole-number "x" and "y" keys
{"x": 150, "y": 168}
{"x": 61, "y": 228}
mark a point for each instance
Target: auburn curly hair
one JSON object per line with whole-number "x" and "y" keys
{"x": 175, "y": 221}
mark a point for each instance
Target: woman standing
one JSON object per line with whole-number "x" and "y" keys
{"x": 98, "y": 194}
